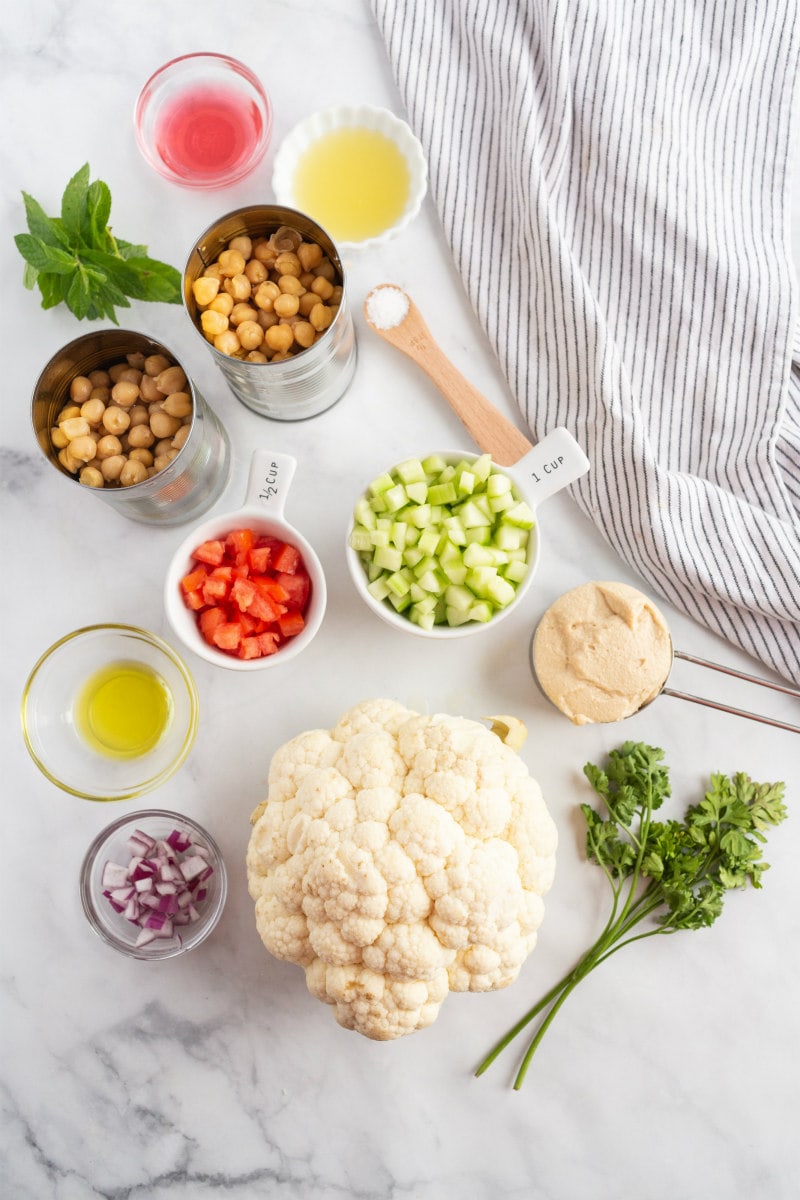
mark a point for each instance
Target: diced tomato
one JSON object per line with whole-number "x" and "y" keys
{"x": 249, "y": 593}
{"x": 249, "y": 647}
{"x": 215, "y": 590}
{"x": 243, "y": 593}
{"x": 258, "y": 558}
{"x": 209, "y": 621}
{"x": 268, "y": 643}
{"x": 210, "y": 552}
{"x": 194, "y": 580}
{"x": 291, "y": 623}
{"x": 298, "y": 587}
{"x": 227, "y": 635}
{"x": 288, "y": 559}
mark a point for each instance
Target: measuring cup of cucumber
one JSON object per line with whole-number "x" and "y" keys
{"x": 448, "y": 544}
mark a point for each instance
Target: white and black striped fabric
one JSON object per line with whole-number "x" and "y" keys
{"x": 612, "y": 176}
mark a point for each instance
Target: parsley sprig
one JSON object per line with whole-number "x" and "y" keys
{"x": 75, "y": 258}
{"x": 664, "y": 875}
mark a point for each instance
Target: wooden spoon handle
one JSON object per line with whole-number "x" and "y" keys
{"x": 489, "y": 429}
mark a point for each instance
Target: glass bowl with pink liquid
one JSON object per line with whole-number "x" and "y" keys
{"x": 203, "y": 121}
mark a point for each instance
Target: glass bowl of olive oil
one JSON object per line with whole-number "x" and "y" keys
{"x": 358, "y": 170}
{"x": 109, "y": 712}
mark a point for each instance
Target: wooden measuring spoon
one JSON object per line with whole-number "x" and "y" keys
{"x": 550, "y": 465}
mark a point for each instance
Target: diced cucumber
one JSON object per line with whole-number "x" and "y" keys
{"x": 443, "y": 543}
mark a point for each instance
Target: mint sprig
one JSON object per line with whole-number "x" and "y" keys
{"x": 75, "y": 259}
{"x": 664, "y": 876}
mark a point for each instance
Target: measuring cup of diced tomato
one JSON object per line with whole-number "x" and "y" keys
{"x": 245, "y": 590}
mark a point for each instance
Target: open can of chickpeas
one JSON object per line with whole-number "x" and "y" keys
{"x": 265, "y": 289}
{"x": 115, "y": 412}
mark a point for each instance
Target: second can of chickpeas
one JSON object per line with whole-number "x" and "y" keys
{"x": 265, "y": 288}
{"x": 195, "y": 463}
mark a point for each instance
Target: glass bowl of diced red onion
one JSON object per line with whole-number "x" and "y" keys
{"x": 153, "y": 884}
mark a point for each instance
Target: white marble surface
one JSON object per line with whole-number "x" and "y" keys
{"x": 673, "y": 1072}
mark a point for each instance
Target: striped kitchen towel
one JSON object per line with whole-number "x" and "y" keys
{"x": 612, "y": 177}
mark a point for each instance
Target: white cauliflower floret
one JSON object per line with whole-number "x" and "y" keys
{"x": 399, "y": 857}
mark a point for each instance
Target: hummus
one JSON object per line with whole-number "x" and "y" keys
{"x": 601, "y": 652}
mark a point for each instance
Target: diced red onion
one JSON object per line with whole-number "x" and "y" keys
{"x": 159, "y": 888}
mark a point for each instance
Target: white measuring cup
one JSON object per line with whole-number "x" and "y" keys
{"x": 268, "y": 485}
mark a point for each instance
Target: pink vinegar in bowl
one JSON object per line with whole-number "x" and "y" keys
{"x": 203, "y": 121}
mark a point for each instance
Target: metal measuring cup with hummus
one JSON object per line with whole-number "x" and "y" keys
{"x": 601, "y": 652}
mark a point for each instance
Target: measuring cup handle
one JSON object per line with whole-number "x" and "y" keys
{"x": 554, "y": 462}
{"x": 269, "y": 480}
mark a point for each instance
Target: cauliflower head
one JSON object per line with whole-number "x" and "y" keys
{"x": 399, "y": 857}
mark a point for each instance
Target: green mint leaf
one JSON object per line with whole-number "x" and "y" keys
{"x": 79, "y": 296}
{"x": 29, "y": 276}
{"x": 45, "y": 257}
{"x": 53, "y": 288}
{"x": 157, "y": 280}
{"x": 46, "y": 229}
{"x": 128, "y": 250}
{"x": 98, "y": 212}
{"x": 73, "y": 203}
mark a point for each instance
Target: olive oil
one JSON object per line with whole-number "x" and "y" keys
{"x": 355, "y": 182}
{"x": 123, "y": 710}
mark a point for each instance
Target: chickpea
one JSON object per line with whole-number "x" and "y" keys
{"x": 171, "y": 380}
{"x": 238, "y": 287}
{"x": 326, "y": 270}
{"x": 320, "y": 317}
{"x": 100, "y": 379}
{"x": 204, "y": 290}
{"x": 179, "y": 441}
{"x": 148, "y": 389}
{"x": 130, "y": 375}
{"x": 265, "y": 296}
{"x": 140, "y": 437}
{"x": 58, "y": 439}
{"x": 68, "y": 412}
{"x": 231, "y": 262}
{"x": 80, "y": 389}
{"x": 125, "y": 393}
{"x": 304, "y": 333}
{"x": 155, "y": 364}
{"x": 227, "y": 342}
{"x": 223, "y": 303}
{"x": 286, "y": 306}
{"x": 310, "y": 255}
{"x": 256, "y": 356}
{"x": 162, "y": 425}
{"x": 179, "y": 404}
{"x": 264, "y": 253}
{"x": 68, "y": 461}
{"x": 142, "y": 454}
{"x": 133, "y": 472}
{"x": 291, "y": 285}
{"x": 139, "y": 415}
{"x": 213, "y": 323}
{"x": 108, "y": 446}
{"x": 307, "y": 302}
{"x": 92, "y": 410}
{"x": 306, "y": 278}
{"x": 243, "y": 244}
{"x": 243, "y": 312}
{"x": 163, "y": 460}
{"x": 135, "y": 359}
{"x": 74, "y": 427}
{"x": 256, "y": 272}
{"x": 212, "y": 272}
{"x": 322, "y": 287}
{"x": 279, "y": 337}
{"x": 288, "y": 263}
{"x": 101, "y": 393}
{"x": 250, "y": 335}
{"x": 115, "y": 420}
{"x": 91, "y": 477}
{"x": 265, "y": 319}
{"x": 115, "y": 371}
{"x": 112, "y": 467}
{"x": 83, "y": 448}
{"x": 336, "y": 295}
